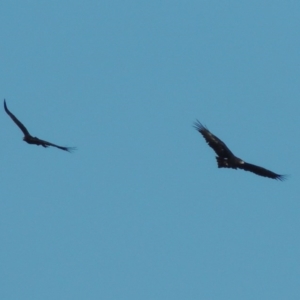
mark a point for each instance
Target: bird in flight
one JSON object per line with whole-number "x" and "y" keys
{"x": 226, "y": 159}
{"x": 28, "y": 138}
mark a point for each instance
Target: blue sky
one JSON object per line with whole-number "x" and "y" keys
{"x": 140, "y": 210}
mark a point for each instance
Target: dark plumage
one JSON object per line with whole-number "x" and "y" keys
{"x": 226, "y": 159}
{"x": 28, "y": 138}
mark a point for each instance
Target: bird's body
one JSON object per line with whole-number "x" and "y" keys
{"x": 226, "y": 159}
{"x": 28, "y": 138}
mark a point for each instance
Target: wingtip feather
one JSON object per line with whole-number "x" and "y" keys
{"x": 282, "y": 177}
{"x": 199, "y": 126}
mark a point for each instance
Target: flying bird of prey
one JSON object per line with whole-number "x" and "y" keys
{"x": 28, "y": 138}
{"x": 226, "y": 159}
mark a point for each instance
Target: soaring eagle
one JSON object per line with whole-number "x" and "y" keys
{"x": 28, "y": 138}
{"x": 226, "y": 159}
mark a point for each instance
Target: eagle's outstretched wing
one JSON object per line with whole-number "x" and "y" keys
{"x": 47, "y": 144}
{"x": 215, "y": 143}
{"x": 261, "y": 171}
{"x": 20, "y": 125}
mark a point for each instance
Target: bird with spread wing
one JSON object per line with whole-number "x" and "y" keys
{"x": 28, "y": 138}
{"x": 226, "y": 159}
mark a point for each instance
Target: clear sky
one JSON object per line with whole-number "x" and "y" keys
{"x": 140, "y": 211}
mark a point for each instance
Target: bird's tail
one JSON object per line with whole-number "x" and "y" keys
{"x": 222, "y": 162}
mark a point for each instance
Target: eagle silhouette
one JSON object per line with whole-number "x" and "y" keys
{"x": 226, "y": 159}
{"x": 28, "y": 138}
